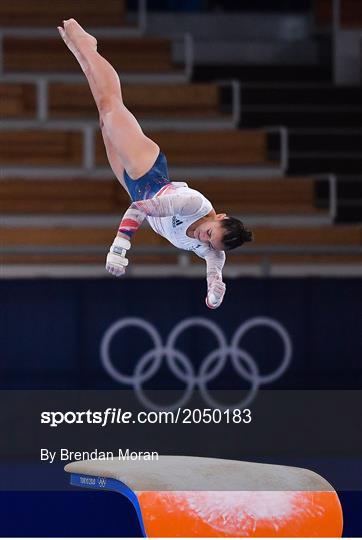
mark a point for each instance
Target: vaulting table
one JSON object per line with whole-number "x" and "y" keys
{"x": 196, "y": 496}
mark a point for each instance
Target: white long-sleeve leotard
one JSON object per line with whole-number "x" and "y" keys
{"x": 170, "y": 213}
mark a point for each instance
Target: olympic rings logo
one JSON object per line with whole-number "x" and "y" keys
{"x": 102, "y": 481}
{"x": 211, "y": 366}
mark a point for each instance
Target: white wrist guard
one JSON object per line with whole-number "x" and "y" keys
{"x": 116, "y": 259}
{"x": 215, "y": 293}
{"x": 120, "y": 246}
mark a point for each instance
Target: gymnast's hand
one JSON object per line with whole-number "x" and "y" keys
{"x": 116, "y": 259}
{"x": 215, "y": 292}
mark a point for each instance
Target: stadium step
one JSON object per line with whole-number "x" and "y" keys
{"x": 245, "y": 197}
{"x": 336, "y": 151}
{"x": 329, "y": 236}
{"x": 294, "y": 95}
{"x": 18, "y": 100}
{"x": 222, "y": 148}
{"x": 312, "y": 162}
{"x": 350, "y": 13}
{"x": 302, "y": 105}
{"x": 49, "y": 55}
{"x": 138, "y": 260}
{"x": 36, "y": 13}
{"x": 333, "y": 141}
{"x": 41, "y": 147}
{"x": 65, "y": 147}
{"x": 145, "y": 101}
{"x": 296, "y": 116}
{"x": 67, "y": 100}
{"x": 265, "y": 73}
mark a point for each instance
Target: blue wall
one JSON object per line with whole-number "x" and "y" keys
{"x": 84, "y": 514}
{"x": 51, "y": 330}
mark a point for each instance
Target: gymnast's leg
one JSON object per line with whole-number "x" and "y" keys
{"x": 126, "y": 144}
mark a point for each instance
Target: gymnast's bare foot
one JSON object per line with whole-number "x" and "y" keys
{"x": 76, "y": 38}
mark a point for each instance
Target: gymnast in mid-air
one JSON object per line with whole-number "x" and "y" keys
{"x": 178, "y": 213}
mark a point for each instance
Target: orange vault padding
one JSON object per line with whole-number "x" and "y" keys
{"x": 184, "y": 496}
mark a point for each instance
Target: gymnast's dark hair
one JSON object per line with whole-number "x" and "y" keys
{"x": 235, "y": 233}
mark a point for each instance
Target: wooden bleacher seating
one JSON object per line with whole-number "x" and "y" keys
{"x": 350, "y": 13}
{"x": 41, "y": 147}
{"x": 81, "y": 196}
{"x": 64, "y": 148}
{"x": 84, "y": 259}
{"x": 164, "y": 259}
{"x": 347, "y": 236}
{"x": 66, "y": 196}
{"x": 237, "y": 258}
{"x": 270, "y": 196}
{"x": 72, "y": 236}
{"x": 55, "y": 236}
{"x": 50, "y": 258}
{"x": 74, "y": 100}
{"x": 322, "y": 12}
{"x": 41, "y": 54}
{"x": 17, "y": 100}
{"x": 197, "y": 148}
{"x": 56, "y": 147}
{"x": 323, "y": 235}
{"x": 36, "y": 13}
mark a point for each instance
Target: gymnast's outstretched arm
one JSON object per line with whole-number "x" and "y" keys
{"x": 163, "y": 206}
{"x": 215, "y": 261}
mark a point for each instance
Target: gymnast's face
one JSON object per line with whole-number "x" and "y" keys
{"x": 211, "y": 232}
